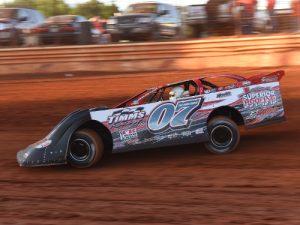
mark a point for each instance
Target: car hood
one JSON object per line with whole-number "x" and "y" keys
{"x": 61, "y": 21}
{"x": 7, "y": 20}
{"x": 135, "y": 15}
{"x": 6, "y": 23}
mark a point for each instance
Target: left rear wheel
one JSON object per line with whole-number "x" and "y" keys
{"x": 224, "y": 135}
{"x": 86, "y": 149}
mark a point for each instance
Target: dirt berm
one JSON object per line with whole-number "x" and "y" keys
{"x": 257, "y": 184}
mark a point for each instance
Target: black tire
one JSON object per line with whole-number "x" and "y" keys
{"x": 155, "y": 35}
{"x": 86, "y": 149}
{"x": 224, "y": 135}
{"x": 115, "y": 38}
{"x": 85, "y": 34}
{"x": 15, "y": 38}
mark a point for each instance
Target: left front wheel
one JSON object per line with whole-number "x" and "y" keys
{"x": 86, "y": 148}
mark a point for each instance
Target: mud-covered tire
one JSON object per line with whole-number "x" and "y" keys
{"x": 115, "y": 38}
{"x": 86, "y": 148}
{"x": 224, "y": 135}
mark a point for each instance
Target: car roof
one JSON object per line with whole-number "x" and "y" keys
{"x": 62, "y": 16}
{"x": 231, "y": 76}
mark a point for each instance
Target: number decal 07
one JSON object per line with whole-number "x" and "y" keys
{"x": 160, "y": 118}
{"x": 174, "y": 116}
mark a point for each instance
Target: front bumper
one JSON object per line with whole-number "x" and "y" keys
{"x": 130, "y": 30}
{"x": 32, "y": 157}
{"x": 52, "y": 150}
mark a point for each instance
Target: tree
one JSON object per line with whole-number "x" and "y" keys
{"x": 47, "y": 7}
{"x": 88, "y": 9}
{"x": 21, "y": 3}
{"x": 108, "y": 11}
{"x": 95, "y": 8}
{"x": 53, "y": 7}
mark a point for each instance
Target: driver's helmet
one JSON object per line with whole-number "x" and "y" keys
{"x": 176, "y": 93}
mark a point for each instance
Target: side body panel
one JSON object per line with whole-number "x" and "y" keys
{"x": 155, "y": 124}
{"x": 185, "y": 120}
{"x": 163, "y": 123}
{"x": 258, "y": 104}
{"x": 262, "y": 104}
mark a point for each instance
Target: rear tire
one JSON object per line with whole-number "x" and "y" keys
{"x": 15, "y": 38}
{"x": 224, "y": 135}
{"x": 155, "y": 35}
{"x": 115, "y": 38}
{"x": 86, "y": 149}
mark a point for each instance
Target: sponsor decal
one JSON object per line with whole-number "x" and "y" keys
{"x": 186, "y": 133}
{"x": 267, "y": 111}
{"x": 230, "y": 86}
{"x": 224, "y": 94}
{"x": 135, "y": 102}
{"x": 128, "y": 134}
{"x": 269, "y": 79}
{"x": 126, "y": 117}
{"x": 210, "y": 90}
{"x": 252, "y": 115}
{"x": 172, "y": 136}
{"x": 259, "y": 99}
{"x": 246, "y": 83}
{"x": 174, "y": 116}
{"x": 200, "y": 131}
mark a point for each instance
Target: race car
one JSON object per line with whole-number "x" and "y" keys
{"x": 190, "y": 111}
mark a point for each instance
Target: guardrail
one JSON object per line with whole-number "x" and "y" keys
{"x": 270, "y": 51}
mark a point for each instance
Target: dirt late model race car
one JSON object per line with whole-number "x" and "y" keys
{"x": 190, "y": 111}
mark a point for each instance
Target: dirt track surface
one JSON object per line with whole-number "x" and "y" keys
{"x": 257, "y": 184}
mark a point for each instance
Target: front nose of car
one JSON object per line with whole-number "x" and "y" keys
{"x": 30, "y": 157}
{"x": 21, "y": 157}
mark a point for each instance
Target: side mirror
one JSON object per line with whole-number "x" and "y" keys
{"x": 23, "y": 19}
{"x": 163, "y": 12}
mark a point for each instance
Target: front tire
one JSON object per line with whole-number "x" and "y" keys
{"x": 86, "y": 149}
{"x": 224, "y": 135}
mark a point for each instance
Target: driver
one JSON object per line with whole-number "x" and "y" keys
{"x": 176, "y": 92}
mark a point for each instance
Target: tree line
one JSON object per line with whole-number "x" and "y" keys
{"x": 60, "y": 7}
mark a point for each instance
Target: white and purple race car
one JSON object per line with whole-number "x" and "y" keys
{"x": 190, "y": 111}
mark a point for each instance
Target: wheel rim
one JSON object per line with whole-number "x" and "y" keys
{"x": 221, "y": 136}
{"x": 80, "y": 149}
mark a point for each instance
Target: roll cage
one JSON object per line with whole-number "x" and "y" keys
{"x": 160, "y": 93}
{"x": 198, "y": 86}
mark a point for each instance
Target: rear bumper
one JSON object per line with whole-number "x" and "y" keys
{"x": 196, "y": 21}
{"x": 130, "y": 31}
{"x": 5, "y": 36}
{"x": 52, "y": 37}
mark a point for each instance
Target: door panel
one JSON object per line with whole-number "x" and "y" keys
{"x": 155, "y": 125}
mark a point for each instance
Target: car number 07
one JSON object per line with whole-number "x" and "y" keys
{"x": 173, "y": 115}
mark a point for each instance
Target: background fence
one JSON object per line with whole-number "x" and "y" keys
{"x": 272, "y": 51}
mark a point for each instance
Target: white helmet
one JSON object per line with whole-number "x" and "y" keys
{"x": 176, "y": 93}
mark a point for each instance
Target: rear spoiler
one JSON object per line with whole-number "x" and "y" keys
{"x": 267, "y": 78}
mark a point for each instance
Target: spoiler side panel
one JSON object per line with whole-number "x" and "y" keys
{"x": 262, "y": 104}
